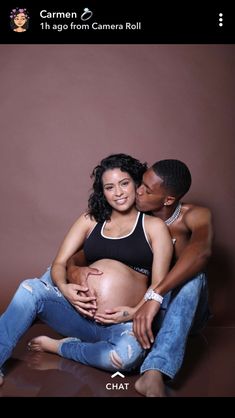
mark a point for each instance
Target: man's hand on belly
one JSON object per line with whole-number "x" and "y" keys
{"x": 79, "y": 275}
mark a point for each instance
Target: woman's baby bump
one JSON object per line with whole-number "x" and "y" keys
{"x": 119, "y": 285}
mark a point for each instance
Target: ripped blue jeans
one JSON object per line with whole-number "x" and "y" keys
{"x": 101, "y": 346}
{"x": 184, "y": 311}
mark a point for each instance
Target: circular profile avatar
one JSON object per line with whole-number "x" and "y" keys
{"x": 19, "y": 20}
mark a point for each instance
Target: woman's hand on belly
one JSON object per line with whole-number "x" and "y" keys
{"x": 115, "y": 315}
{"x": 78, "y": 275}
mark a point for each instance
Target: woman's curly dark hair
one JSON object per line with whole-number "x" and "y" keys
{"x": 98, "y": 207}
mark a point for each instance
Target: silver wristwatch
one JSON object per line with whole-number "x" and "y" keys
{"x": 151, "y": 295}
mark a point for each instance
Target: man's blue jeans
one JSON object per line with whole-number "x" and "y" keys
{"x": 96, "y": 345}
{"x": 184, "y": 311}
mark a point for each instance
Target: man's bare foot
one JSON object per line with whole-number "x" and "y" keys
{"x": 1, "y": 379}
{"x": 44, "y": 343}
{"x": 151, "y": 384}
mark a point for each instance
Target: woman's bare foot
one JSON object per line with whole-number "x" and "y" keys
{"x": 44, "y": 343}
{"x": 151, "y": 384}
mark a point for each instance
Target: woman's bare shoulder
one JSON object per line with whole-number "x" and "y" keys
{"x": 85, "y": 220}
{"x": 153, "y": 220}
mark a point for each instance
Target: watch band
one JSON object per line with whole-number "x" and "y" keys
{"x": 151, "y": 295}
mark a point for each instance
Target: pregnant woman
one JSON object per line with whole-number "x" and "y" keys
{"x": 127, "y": 246}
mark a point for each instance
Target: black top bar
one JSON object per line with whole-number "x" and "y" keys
{"x": 103, "y": 21}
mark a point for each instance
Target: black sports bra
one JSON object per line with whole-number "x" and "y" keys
{"x": 132, "y": 249}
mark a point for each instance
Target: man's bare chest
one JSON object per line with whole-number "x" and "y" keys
{"x": 180, "y": 238}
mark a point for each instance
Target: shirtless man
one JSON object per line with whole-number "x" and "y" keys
{"x": 184, "y": 288}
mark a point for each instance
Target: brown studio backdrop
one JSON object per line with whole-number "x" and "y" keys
{"x": 64, "y": 107}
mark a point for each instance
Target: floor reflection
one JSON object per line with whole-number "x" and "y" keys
{"x": 208, "y": 370}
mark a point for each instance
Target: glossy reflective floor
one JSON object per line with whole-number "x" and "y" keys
{"x": 208, "y": 371}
